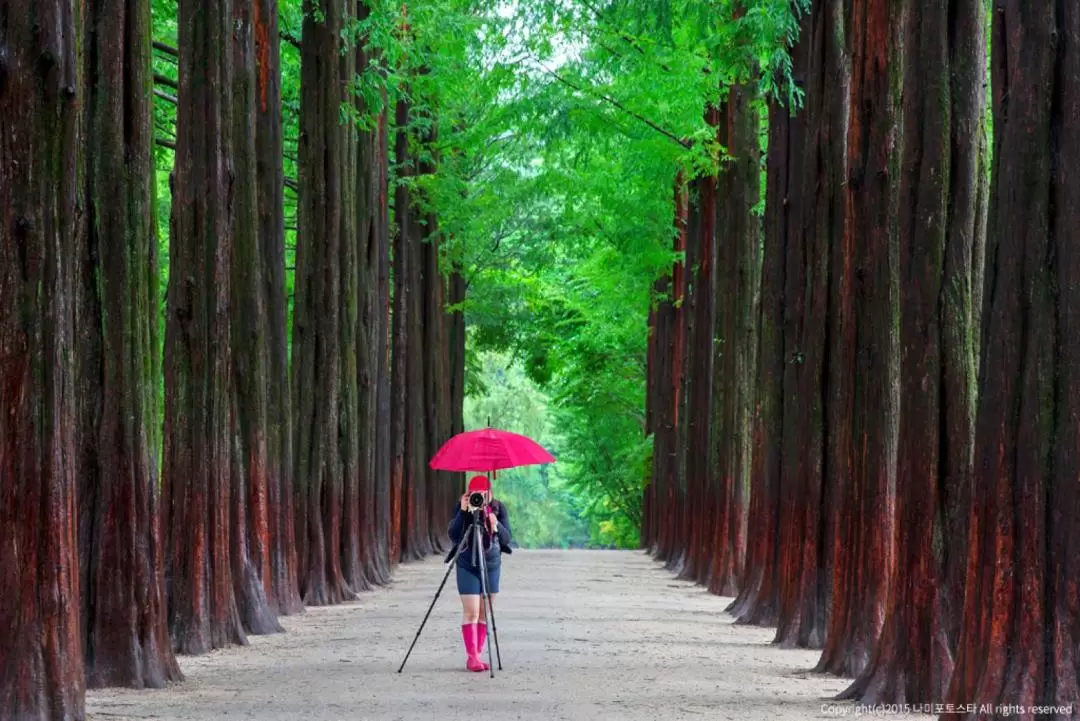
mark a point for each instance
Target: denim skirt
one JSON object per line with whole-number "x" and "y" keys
{"x": 468, "y": 579}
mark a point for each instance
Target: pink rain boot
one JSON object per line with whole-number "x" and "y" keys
{"x": 481, "y": 639}
{"x": 472, "y": 660}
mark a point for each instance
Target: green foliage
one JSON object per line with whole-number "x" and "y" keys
{"x": 558, "y": 128}
{"x": 545, "y": 512}
{"x": 563, "y": 126}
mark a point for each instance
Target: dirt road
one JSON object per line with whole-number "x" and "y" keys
{"x": 584, "y": 635}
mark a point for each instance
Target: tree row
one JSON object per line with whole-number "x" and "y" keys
{"x": 171, "y": 488}
{"x": 863, "y": 404}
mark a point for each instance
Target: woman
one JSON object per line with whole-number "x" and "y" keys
{"x": 496, "y": 541}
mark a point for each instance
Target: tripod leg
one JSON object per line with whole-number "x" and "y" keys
{"x": 450, "y": 567}
{"x": 494, "y": 630}
{"x": 484, "y": 591}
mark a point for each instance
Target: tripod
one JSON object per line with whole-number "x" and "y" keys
{"x": 478, "y": 552}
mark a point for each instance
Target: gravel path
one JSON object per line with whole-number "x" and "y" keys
{"x": 584, "y": 635}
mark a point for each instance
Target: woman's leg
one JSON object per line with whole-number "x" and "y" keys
{"x": 482, "y": 616}
{"x": 471, "y": 608}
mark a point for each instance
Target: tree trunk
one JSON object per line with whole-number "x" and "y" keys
{"x": 399, "y": 337}
{"x": 41, "y": 660}
{"x": 352, "y": 553}
{"x": 417, "y": 485}
{"x": 284, "y": 592}
{"x": 457, "y": 349}
{"x": 197, "y": 490}
{"x": 668, "y": 349}
{"x": 250, "y": 333}
{"x": 759, "y": 599}
{"x": 738, "y": 261}
{"x": 699, "y": 305}
{"x": 323, "y": 252}
{"x": 417, "y": 479}
{"x": 124, "y": 629}
{"x": 806, "y": 537}
{"x": 437, "y": 389}
{"x": 867, "y": 396}
{"x": 669, "y": 317}
{"x": 370, "y": 207}
{"x": 913, "y": 660}
{"x": 383, "y": 438}
{"x": 1021, "y": 621}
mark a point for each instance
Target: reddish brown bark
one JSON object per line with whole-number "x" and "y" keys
{"x": 651, "y": 503}
{"x": 806, "y": 540}
{"x": 197, "y": 489}
{"x": 250, "y": 362}
{"x": 669, "y": 372}
{"x": 324, "y": 273}
{"x": 41, "y": 660}
{"x": 381, "y": 329}
{"x": 125, "y": 635}
{"x": 758, "y": 602}
{"x": 738, "y": 264}
{"x": 865, "y": 370}
{"x": 679, "y": 533}
{"x": 648, "y": 503}
{"x": 284, "y": 594}
{"x": 371, "y": 199}
{"x": 437, "y": 408}
{"x": 699, "y": 306}
{"x": 1020, "y": 630}
{"x": 417, "y": 490}
{"x": 349, "y": 442}
{"x": 399, "y": 338}
{"x": 913, "y": 660}
{"x": 457, "y": 353}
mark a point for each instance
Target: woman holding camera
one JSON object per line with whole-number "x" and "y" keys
{"x": 496, "y": 541}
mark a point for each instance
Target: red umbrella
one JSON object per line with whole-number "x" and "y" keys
{"x": 489, "y": 449}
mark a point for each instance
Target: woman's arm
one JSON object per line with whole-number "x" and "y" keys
{"x": 456, "y": 530}
{"x": 504, "y": 525}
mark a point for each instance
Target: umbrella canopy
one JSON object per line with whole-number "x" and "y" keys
{"x": 489, "y": 449}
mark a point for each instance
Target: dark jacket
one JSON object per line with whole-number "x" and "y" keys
{"x": 494, "y": 545}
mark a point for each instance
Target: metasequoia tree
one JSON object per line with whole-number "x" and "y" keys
{"x": 399, "y": 331}
{"x": 804, "y": 557}
{"x": 1020, "y": 623}
{"x": 124, "y": 629}
{"x": 700, "y": 307}
{"x": 734, "y": 338}
{"x": 667, "y": 373}
{"x": 660, "y": 395}
{"x": 251, "y": 553}
{"x": 352, "y": 561}
{"x": 373, "y": 242}
{"x": 438, "y": 407}
{"x": 939, "y": 184}
{"x": 863, "y": 392}
{"x": 758, "y": 601}
{"x": 323, "y": 306}
{"x": 284, "y": 595}
{"x": 416, "y": 479}
{"x": 41, "y": 660}
{"x": 198, "y": 363}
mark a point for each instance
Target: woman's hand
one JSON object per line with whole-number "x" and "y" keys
{"x": 465, "y": 501}
{"x": 493, "y": 523}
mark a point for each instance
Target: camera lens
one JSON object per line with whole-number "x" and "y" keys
{"x": 476, "y": 500}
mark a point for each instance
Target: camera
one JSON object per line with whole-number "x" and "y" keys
{"x": 476, "y": 501}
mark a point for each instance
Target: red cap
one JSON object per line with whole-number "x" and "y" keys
{"x": 479, "y": 483}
